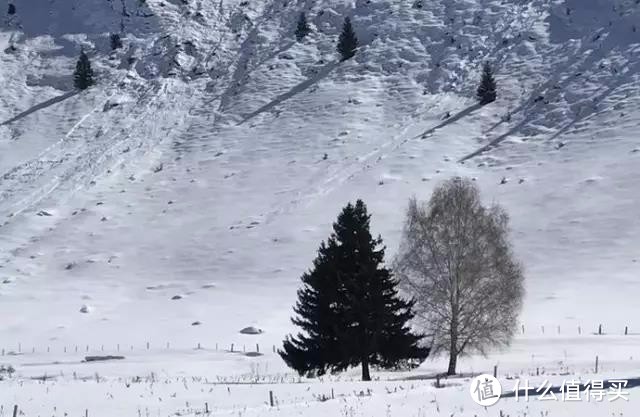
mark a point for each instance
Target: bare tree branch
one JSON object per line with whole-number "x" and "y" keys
{"x": 456, "y": 261}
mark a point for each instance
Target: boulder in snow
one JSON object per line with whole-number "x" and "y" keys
{"x": 251, "y": 330}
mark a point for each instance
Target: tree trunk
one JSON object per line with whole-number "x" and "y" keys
{"x": 453, "y": 348}
{"x": 453, "y": 334}
{"x": 365, "y": 370}
{"x": 453, "y": 360}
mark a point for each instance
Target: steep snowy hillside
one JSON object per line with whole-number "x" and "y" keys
{"x": 181, "y": 198}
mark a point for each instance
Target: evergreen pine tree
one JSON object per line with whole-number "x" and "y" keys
{"x": 487, "y": 90}
{"x": 349, "y": 308}
{"x": 12, "y": 9}
{"x": 348, "y": 41}
{"x": 83, "y": 75}
{"x": 303, "y": 28}
{"x": 116, "y": 41}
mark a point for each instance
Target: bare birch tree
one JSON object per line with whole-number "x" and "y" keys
{"x": 456, "y": 260}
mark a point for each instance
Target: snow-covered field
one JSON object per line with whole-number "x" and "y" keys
{"x": 180, "y": 200}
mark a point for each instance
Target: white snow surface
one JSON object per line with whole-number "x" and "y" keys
{"x": 189, "y": 186}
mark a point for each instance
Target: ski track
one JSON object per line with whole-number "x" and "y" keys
{"x": 58, "y": 157}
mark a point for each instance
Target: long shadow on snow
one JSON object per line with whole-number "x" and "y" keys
{"x": 41, "y": 106}
{"x": 450, "y": 120}
{"x": 494, "y": 142}
{"x": 294, "y": 91}
{"x": 585, "y": 58}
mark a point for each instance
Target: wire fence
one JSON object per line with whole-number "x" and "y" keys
{"x": 575, "y": 330}
{"x": 248, "y": 349}
{"x": 257, "y": 350}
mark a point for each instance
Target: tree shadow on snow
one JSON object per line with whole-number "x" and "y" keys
{"x": 450, "y": 120}
{"x": 41, "y": 106}
{"x": 323, "y": 73}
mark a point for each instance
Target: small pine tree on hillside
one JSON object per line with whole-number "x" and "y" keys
{"x": 116, "y": 41}
{"x": 349, "y": 309}
{"x": 487, "y": 90}
{"x": 12, "y": 9}
{"x": 303, "y": 28}
{"x": 83, "y": 75}
{"x": 348, "y": 41}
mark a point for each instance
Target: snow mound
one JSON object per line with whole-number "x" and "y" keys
{"x": 251, "y": 330}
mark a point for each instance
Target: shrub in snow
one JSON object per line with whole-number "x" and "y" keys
{"x": 85, "y": 309}
{"x": 349, "y": 309}
{"x": 348, "y": 41}
{"x": 83, "y": 75}
{"x": 487, "y": 90}
{"x": 6, "y": 369}
{"x": 461, "y": 270}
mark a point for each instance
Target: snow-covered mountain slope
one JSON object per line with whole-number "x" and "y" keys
{"x": 196, "y": 167}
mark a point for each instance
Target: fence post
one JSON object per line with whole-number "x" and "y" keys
{"x": 147, "y": 345}
{"x": 199, "y": 345}
{"x": 523, "y": 329}
{"x": 15, "y": 410}
{"x": 600, "y": 329}
{"x": 232, "y": 347}
{"x": 495, "y": 371}
{"x": 626, "y": 330}
{"x": 206, "y": 408}
{"x": 597, "y": 364}
{"x": 270, "y": 398}
{"x": 257, "y": 348}
{"x": 579, "y": 330}
{"x": 86, "y": 412}
{"x": 332, "y": 396}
